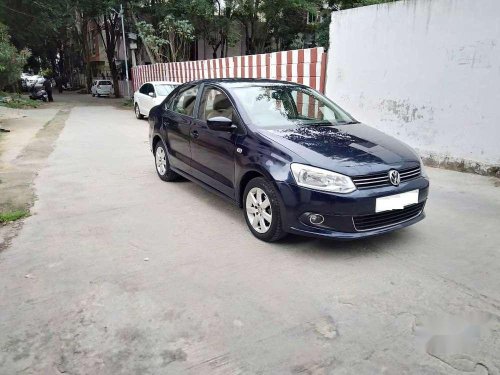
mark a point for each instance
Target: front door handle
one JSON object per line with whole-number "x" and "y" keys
{"x": 195, "y": 134}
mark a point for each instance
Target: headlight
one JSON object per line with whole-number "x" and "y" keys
{"x": 321, "y": 179}
{"x": 422, "y": 169}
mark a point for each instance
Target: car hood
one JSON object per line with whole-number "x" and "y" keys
{"x": 354, "y": 149}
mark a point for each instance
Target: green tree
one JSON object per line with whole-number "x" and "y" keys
{"x": 273, "y": 24}
{"x": 168, "y": 28}
{"x": 48, "y": 29}
{"x": 216, "y": 24}
{"x": 12, "y": 60}
{"x": 105, "y": 17}
{"x": 43, "y": 27}
{"x": 170, "y": 41}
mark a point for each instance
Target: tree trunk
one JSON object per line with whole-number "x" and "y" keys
{"x": 88, "y": 76}
{"x": 114, "y": 76}
{"x": 223, "y": 47}
{"x": 110, "y": 47}
{"x": 82, "y": 28}
{"x": 247, "y": 39}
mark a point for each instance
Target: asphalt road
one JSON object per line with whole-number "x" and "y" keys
{"x": 117, "y": 272}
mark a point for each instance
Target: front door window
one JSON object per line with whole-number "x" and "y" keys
{"x": 215, "y": 103}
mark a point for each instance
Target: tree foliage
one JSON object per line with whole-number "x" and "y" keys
{"x": 273, "y": 24}
{"x": 12, "y": 60}
{"x": 170, "y": 40}
{"x": 210, "y": 20}
{"x": 56, "y": 31}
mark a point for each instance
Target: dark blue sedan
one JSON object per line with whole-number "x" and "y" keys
{"x": 290, "y": 157}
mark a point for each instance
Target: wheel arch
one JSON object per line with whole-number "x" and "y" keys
{"x": 245, "y": 179}
{"x": 154, "y": 142}
{"x": 247, "y": 176}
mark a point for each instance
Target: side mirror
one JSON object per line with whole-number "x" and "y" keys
{"x": 152, "y": 94}
{"x": 220, "y": 123}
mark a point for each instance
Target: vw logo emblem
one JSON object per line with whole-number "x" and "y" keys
{"x": 394, "y": 177}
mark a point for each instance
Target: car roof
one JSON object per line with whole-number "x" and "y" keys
{"x": 242, "y": 82}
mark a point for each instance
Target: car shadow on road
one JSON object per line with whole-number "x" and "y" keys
{"x": 355, "y": 248}
{"x": 302, "y": 244}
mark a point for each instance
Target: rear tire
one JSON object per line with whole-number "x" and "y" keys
{"x": 162, "y": 164}
{"x": 137, "y": 111}
{"x": 262, "y": 210}
{"x": 93, "y": 94}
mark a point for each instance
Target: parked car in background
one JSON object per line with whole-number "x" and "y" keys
{"x": 101, "y": 87}
{"x": 24, "y": 81}
{"x": 290, "y": 157}
{"x": 151, "y": 94}
{"x": 34, "y": 82}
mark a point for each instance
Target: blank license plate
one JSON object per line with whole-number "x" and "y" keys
{"x": 397, "y": 201}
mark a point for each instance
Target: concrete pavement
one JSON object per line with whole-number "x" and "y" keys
{"x": 118, "y": 272}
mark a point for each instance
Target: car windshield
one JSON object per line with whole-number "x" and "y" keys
{"x": 283, "y": 106}
{"x": 164, "y": 89}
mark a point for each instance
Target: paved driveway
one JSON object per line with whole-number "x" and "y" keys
{"x": 118, "y": 272}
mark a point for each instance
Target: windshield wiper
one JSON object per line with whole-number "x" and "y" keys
{"x": 348, "y": 122}
{"x": 332, "y": 123}
{"x": 321, "y": 124}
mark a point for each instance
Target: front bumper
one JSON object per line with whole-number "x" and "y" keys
{"x": 342, "y": 210}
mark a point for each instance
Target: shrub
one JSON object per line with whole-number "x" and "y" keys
{"x": 11, "y": 60}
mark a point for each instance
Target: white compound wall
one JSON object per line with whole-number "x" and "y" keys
{"x": 425, "y": 71}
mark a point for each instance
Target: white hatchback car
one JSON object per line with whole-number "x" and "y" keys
{"x": 101, "y": 87}
{"x": 34, "y": 81}
{"x": 151, "y": 94}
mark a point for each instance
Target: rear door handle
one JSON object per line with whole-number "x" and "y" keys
{"x": 195, "y": 134}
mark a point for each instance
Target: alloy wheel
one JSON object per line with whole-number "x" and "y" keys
{"x": 258, "y": 209}
{"x": 161, "y": 161}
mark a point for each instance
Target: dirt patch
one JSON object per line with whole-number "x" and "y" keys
{"x": 16, "y": 178}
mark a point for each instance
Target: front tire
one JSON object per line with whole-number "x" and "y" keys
{"x": 162, "y": 164}
{"x": 262, "y": 210}
{"x": 137, "y": 111}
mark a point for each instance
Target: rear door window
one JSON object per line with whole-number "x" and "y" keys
{"x": 151, "y": 88}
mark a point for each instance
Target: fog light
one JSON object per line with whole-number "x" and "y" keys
{"x": 316, "y": 219}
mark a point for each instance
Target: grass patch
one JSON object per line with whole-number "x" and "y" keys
{"x": 128, "y": 103}
{"x": 17, "y": 101}
{"x": 6, "y": 217}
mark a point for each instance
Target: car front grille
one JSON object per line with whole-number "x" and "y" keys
{"x": 382, "y": 179}
{"x": 387, "y": 219}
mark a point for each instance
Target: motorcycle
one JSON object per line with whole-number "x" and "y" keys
{"x": 39, "y": 94}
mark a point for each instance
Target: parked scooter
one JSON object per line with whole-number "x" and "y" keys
{"x": 39, "y": 94}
